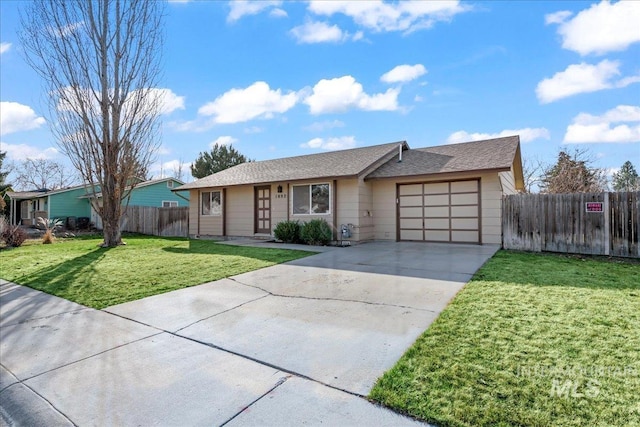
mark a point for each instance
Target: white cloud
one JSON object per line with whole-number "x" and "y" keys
{"x": 620, "y": 124}
{"x": 21, "y": 152}
{"x": 582, "y": 78}
{"x": 240, "y": 8}
{"x": 326, "y": 125}
{"x": 255, "y": 101}
{"x": 15, "y": 117}
{"x": 418, "y": 98}
{"x": 526, "y": 135}
{"x": 604, "y": 27}
{"x": 4, "y": 46}
{"x": 168, "y": 101}
{"x": 404, "y": 73}
{"x": 379, "y": 16}
{"x": 317, "y": 32}
{"x": 223, "y": 140}
{"x": 331, "y": 144}
{"x": 557, "y": 17}
{"x": 340, "y": 94}
{"x": 278, "y": 13}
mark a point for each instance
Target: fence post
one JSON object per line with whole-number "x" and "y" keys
{"x": 607, "y": 225}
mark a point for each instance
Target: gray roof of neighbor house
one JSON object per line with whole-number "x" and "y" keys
{"x": 490, "y": 154}
{"x": 24, "y": 195}
{"x": 343, "y": 163}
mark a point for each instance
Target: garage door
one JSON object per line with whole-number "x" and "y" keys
{"x": 440, "y": 211}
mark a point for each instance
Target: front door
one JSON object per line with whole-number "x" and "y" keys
{"x": 263, "y": 209}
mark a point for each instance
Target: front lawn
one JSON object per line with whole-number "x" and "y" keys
{"x": 532, "y": 340}
{"x": 80, "y": 271}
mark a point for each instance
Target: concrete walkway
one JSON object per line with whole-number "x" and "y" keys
{"x": 297, "y": 343}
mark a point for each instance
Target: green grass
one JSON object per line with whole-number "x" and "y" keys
{"x": 524, "y": 322}
{"x": 80, "y": 271}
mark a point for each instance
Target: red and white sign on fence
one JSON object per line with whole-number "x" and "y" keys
{"x": 594, "y": 207}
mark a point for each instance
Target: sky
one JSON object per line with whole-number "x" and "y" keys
{"x": 284, "y": 78}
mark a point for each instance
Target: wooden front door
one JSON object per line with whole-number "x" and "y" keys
{"x": 263, "y": 209}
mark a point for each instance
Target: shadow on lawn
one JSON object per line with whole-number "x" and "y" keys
{"x": 210, "y": 247}
{"x": 57, "y": 278}
{"x": 19, "y": 304}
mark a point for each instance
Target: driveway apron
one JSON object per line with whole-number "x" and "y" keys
{"x": 301, "y": 342}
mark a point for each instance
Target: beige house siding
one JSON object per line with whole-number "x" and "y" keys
{"x": 508, "y": 182}
{"x": 279, "y": 204}
{"x": 194, "y": 195}
{"x": 384, "y": 205}
{"x": 384, "y": 209}
{"x": 491, "y": 209}
{"x": 348, "y": 206}
{"x": 365, "y": 213}
{"x": 240, "y": 211}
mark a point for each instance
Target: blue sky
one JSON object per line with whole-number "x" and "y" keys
{"x": 280, "y": 79}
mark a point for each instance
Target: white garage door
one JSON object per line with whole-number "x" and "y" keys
{"x": 440, "y": 211}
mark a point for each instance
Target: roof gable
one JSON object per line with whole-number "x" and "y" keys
{"x": 342, "y": 163}
{"x": 490, "y": 154}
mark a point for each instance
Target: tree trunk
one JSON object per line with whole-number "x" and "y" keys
{"x": 111, "y": 213}
{"x": 111, "y": 232}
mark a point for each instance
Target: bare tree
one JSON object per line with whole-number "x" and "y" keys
{"x": 178, "y": 170}
{"x": 532, "y": 171}
{"x": 99, "y": 60}
{"x": 574, "y": 172}
{"x": 38, "y": 174}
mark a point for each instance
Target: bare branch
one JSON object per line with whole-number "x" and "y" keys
{"x": 38, "y": 174}
{"x": 99, "y": 60}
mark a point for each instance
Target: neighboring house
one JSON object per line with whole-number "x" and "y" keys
{"x": 27, "y": 206}
{"x": 449, "y": 193}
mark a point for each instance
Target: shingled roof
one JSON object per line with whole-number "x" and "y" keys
{"x": 333, "y": 164}
{"x": 491, "y": 154}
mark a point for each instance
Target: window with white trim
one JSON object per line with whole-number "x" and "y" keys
{"x": 170, "y": 184}
{"x": 311, "y": 199}
{"x": 211, "y": 203}
{"x": 169, "y": 204}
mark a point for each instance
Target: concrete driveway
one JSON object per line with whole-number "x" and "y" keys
{"x": 296, "y": 343}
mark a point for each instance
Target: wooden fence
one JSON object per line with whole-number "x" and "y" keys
{"x": 157, "y": 221}
{"x": 584, "y": 223}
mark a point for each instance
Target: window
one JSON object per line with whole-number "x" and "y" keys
{"x": 211, "y": 203}
{"x": 169, "y": 204}
{"x": 311, "y": 199}
{"x": 170, "y": 184}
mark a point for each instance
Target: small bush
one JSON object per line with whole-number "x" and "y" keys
{"x": 14, "y": 236}
{"x": 50, "y": 226}
{"x": 48, "y": 237}
{"x": 288, "y": 231}
{"x": 316, "y": 232}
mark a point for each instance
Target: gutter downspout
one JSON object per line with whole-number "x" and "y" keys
{"x": 288, "y": 200}
{"x": 335, "y": 208}
{"x": 198, "y": 213}
{"x": 224, "y": 212}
